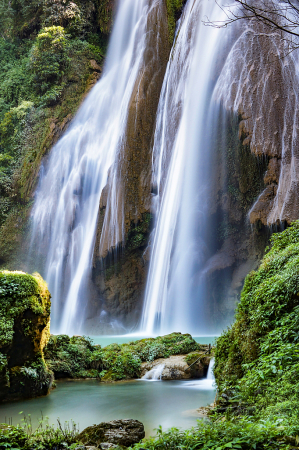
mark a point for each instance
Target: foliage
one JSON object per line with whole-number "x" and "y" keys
{"x": 45, "y": 437}
{"x": 48, "y": 58}
{"x": 222, "y": 434}
{"x": 70, "y": 357}
{"x": 174, "y": 9}
{"x": 138, "y": 233}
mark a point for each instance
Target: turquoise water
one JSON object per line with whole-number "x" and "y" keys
{"x": 89, "y": 402}
{"x": 106, "y": 340}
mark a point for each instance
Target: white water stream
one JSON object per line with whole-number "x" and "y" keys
{"x": 155, "y": 374}
{"x": 181, "y": 174}
{"x": 67, "y": 200}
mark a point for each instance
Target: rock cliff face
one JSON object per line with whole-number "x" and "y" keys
{"x": 260, "y": 83}
{"x": 25, "y": 330}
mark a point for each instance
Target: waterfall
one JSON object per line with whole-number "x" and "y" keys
{"x": 67, "y": 200}
{"x": 181, "y": 175}
{"x": 241, "y": 72}
{"x": 155, "y": 374}
{"x": 210, "y": 375}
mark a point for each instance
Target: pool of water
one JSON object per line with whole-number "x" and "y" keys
{"x": 166, "y": 403}
{"x": 106, "y": 340}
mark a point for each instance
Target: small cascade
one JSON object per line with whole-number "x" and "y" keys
{"x": 155, "y": 374}
{"x": 210, "y": 375}
{"x": 206, "y": 384}
{"x": 67, "y": 200}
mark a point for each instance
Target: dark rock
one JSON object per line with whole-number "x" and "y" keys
{"x": 124, "y": 432}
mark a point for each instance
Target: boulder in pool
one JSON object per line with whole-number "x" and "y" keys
{"x": 126, "y": 433}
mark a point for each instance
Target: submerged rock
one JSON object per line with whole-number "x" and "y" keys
{"x": 24, "y": 332}
{"x": 124, "y": 432}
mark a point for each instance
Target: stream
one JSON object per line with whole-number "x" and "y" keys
{"x": 88, "y": 402}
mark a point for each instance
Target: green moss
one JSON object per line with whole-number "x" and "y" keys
{"x": 174, "y": 8}
{"x": 24, "y": 331}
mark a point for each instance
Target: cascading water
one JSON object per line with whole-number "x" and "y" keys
{"x": 155, "y": 374}
{"x": 67, "y": 201}
{"x": 181, "y": 173}
{"x": 213, "y": 74}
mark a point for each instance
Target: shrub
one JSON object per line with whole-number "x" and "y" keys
{"x": 48, "y": 58}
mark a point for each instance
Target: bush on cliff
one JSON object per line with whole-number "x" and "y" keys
{"x": 24, "y": 331}
{"x": 48, "y": 59}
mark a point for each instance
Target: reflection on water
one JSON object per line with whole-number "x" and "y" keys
{"x": 89, "y": 402}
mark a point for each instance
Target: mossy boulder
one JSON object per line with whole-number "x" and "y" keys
{"x": 124, "y": 361}
{"x": 24, "y": 332}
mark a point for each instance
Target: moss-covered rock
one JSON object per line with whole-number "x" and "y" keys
{"x": 76, "y": 357}
{"x": 124, "y": 361}
{"x": 24, "y": 332}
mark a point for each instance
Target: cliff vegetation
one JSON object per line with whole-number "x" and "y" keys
{"x": 50, "y": 55}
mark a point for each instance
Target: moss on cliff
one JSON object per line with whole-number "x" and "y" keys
{"x": 24, "y": 332}
{"x": 174, "y": 10}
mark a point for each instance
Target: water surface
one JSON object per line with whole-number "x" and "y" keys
{"x": 124, "y": 339}
{"x": 90, "y": 402}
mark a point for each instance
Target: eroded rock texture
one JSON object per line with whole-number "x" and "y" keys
{"x": 260, "y": 83}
